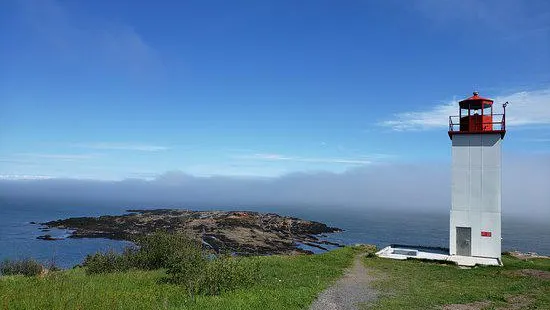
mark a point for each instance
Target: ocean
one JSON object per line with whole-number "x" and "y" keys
{"x": 379, "y": 227}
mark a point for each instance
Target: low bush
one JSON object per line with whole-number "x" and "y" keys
{"x": 26, "y": 267}
{"x": 212, "y": 277}
{"x": 110, "y": 261}
{"x": 161, "y": 249}
{"x": 153, "y": 252}
{"x": 185, "y": 262}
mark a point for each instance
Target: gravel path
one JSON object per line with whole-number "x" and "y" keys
{"x": 353, "y": 288}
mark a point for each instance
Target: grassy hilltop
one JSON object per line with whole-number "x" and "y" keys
{"x": 413, "y": 284}
{"x": 282, "y": 282}
{"x": 292, "y": 282}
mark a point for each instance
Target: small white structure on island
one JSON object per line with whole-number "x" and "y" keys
{"x": 475, "y": 219}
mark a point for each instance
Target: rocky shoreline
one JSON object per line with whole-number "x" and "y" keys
{"x": 239, "y": 232}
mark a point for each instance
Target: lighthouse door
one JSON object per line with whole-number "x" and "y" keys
{"x": 463, "y": 241}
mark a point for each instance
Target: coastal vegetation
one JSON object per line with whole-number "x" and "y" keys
{"x": 155, "y": 251}
{"x": 25, "y": 267}
{"x": 171, "y": 271}
{"x": 414, "y": 284}
{"x": 185, "y": 261}
{"x": 280, "y": 282}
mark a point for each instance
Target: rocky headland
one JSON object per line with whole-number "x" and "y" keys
{"x": 240, "y": 232}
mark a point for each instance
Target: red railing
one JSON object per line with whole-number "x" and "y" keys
{"x": 497, "y": 125}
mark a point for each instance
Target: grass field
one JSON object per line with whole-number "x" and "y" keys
{"x": 415, "y": 284}
{"x": 286, "y": 282}
{"x": 292, "y": 282}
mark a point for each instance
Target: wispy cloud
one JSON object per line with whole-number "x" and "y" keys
{"x": 279, "y": 157}
{"x": 24, "y": 177}
{"x": 82, "y": 38}
{"x": 525, "y": 108}
{"x": 63, "y": 157}
{"x": 122, "y": 146}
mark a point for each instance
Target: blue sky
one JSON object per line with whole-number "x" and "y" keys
{"x": 111, "y": 90}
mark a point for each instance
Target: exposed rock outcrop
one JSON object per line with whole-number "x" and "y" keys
{"x": 241, "y": 232}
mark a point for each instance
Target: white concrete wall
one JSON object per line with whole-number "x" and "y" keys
{"x": 476, "y": 191}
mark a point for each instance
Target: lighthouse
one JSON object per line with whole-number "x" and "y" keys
{"x": 475, "y": 220}
{"x": 476, "y": 138}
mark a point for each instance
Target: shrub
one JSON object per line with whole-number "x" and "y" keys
{"x": 26, "y": 267}
{"x": 104, "y": 263}
{"x": 200, "y": 276}
{"x": 154, "y": 252}
{"x": 227, "y": 274}
{"x": 160, "y": 249}
{"x": 184, "y": 267}
{"x": 185, "y": 262}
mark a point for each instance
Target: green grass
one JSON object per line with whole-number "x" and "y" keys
{"x": 286, "y": 282}
{"x": 416, "y": 284}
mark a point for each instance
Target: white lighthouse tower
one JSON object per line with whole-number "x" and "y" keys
{"x": 476, "y": 135}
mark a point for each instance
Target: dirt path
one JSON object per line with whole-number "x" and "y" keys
{"x": 353, "y": 288}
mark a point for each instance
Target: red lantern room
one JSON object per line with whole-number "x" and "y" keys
{"x": 476, "y": 116}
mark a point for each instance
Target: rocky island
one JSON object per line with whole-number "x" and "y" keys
{"x": 240, "y": 232}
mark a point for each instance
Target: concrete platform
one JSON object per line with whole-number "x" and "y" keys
{"x": 471, "y": 261}
{"x": 403, "y": 252}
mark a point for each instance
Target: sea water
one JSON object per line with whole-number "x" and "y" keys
{"x": 373, "y": 226}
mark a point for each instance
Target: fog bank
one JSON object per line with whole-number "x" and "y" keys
{"x": 414, "y": 187}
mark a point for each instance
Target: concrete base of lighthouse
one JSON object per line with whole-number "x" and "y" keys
{"x": 402, "y": 252}
{"x": 471, "y": 261}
